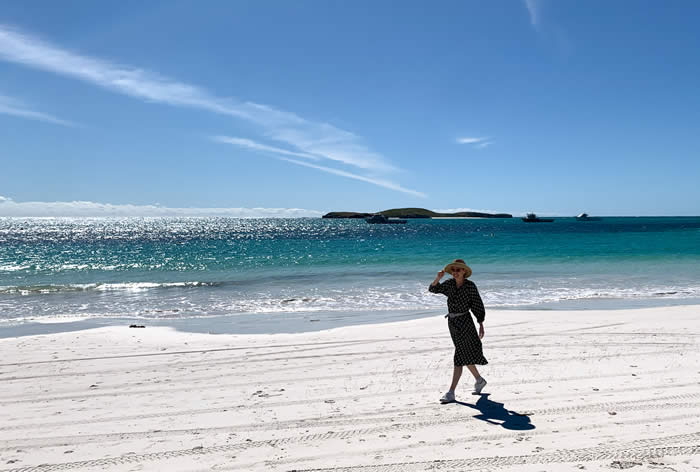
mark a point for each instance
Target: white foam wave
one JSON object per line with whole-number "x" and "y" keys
{"x": 133, "y": 300}
{"x": 13, "y": 267}
{"x": 536, "y": 296}
{"x": 104, "y": 287}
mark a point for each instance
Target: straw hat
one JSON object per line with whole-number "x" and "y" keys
{"x": 458, "y": 263}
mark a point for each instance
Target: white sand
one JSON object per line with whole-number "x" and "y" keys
{"x": 602, "y": 390}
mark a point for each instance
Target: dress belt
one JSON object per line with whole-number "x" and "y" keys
{"x": 454, "y": 315}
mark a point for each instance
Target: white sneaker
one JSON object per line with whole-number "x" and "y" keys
{"x": 479, "y": 386}
{"x": 449, "y": 397}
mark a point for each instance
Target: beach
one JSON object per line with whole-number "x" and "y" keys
{"x": 568, "y": 390}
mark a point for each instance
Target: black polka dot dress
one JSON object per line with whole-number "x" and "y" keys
{"x": 464, "y": 299}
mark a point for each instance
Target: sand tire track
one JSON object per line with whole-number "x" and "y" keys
{"x": 557, "y": 457}
{"x": 636, "y": 450}
{"x": 619, "y": 406}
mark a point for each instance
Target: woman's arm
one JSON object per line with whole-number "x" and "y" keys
{"x": 436, "y": 286}
{"x": 476, "y": 305}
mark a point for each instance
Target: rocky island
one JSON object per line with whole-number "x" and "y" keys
{"x": 416, "y": 213}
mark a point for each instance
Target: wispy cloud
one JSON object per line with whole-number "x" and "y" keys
{"x": 477, "y": 143}
{"x": 23, "y": 49}
{"x": 322, "y": 140}
{"x": 533, "y": 8}
{"x": 549, "y": 29}
{"x": 374, "y": 181}
{"x": 262, "y": 147}
{"x": 470, "y": 140}
{"x": 9, "y": 207}
{"x": 14, "y": 107}
{"x": 250, "y": 144}
{"x": 319, "y": 139}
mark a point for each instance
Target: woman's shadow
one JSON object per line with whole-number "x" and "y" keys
{"x": 495, "y": 413}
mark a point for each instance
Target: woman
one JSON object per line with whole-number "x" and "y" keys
{"x": 462, "y": 297}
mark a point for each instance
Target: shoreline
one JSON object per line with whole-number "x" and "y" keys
{"x": 307, "y": 322}
{"x": 609, "y": 388}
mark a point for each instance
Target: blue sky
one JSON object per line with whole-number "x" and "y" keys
{"x": 296, "y": 108}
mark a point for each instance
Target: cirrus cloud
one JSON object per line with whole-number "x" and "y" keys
{"x": 14, "y": 107}
{"x": 477, "y": 143}
{"x": 322, "y": 140}
{"x": 247, "y": 143}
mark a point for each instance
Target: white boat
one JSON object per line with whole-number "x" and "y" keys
{"x": 585, "y": 217}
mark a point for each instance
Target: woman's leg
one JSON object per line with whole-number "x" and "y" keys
{"x": 456, "y": 374}
{"x": 474, "y": 371}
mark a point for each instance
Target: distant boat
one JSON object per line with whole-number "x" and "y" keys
{"x": 383, "y": 220}
{"x": 532, "y": 218}
{"x": 585, "y": 217}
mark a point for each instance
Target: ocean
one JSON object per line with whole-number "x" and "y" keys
{"x": 272, "y": 275}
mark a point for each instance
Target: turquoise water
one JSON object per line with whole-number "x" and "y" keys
{"x": 192, "y": 268}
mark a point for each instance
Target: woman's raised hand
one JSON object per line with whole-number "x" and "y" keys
{"x": 437, "y": 278}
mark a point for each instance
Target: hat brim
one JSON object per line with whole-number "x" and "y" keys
{"x": 467, "y": 269}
